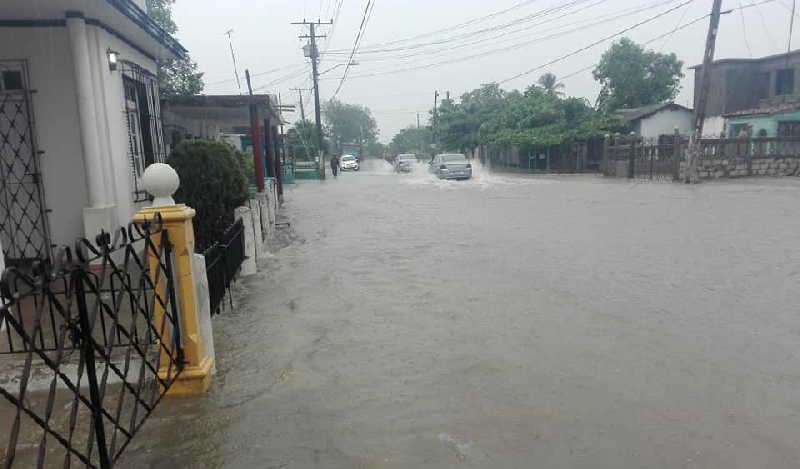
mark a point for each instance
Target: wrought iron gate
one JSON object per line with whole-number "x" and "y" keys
{"x": 23, "y": 224}
{"x": 96, "y": 343}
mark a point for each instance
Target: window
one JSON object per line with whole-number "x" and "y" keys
{"x": 142, "y": 112}
{"x": 12, "y": 80}
{"x": 789, "y": 129}
{"x": 784, "y": 82}
{"x": 736, "y": 130}
{"x": 762, "y": 85}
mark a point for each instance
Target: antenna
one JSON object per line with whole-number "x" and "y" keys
{"x": 233, "y": 57}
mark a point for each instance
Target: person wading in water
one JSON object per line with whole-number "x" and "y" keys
{"x": 335, "y": 165}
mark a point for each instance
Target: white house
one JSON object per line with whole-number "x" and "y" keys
{"x": 79, "y": 118}
{"x": 658, "y": 119}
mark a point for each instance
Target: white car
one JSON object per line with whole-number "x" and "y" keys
{"x": 348, "y": 162}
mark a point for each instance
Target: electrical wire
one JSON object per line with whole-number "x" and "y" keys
{"x": 456, "y": 26}
{"x": 666, "y": 35}
{"x": 364, "y": 20}
{"x": 791, "y": 30}
{"x": 744, "y": 31}
{"x": 471, "y": 34}
{"x": 512, "y": 47}
{"x": 608, "y": 18}
{"x": 595, "y": 43}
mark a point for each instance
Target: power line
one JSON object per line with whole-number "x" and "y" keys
{"x": 364, "y": 19}
{"x": 668, "y": 34}
{"x": 608, "y": 18}
{"x": 791, "y": 30}
{"x": 471, "y": 34}
{"x": 744, "y": 31}
{"x": 456, "y": 26}
{"x": 513, "y": 47}
{"x": 599, "y": 41}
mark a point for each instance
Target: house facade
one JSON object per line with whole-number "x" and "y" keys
{"x": 651, "y": 122}
{"x": 763, "y": 91}
{"x": 79, "y": 118}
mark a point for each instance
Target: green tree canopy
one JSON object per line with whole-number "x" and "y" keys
{"x": 302, "y": 140}
{"x": 176, "y": 77}
{"x": 412, "y": 140}
{"x": 631, "y": 76}
{"x": 349, "y": 123}
{"x": 551, "y": 86}
{"x": 490, "y": 115}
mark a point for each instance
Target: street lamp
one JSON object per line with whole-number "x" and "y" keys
{"x": 352, "y": 63}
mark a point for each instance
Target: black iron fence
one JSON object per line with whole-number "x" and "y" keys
{"x": 92, "y": 343}
{"x": 223, "y": 260}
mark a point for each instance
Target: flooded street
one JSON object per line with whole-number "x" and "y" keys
{"x": 507, "y": 322}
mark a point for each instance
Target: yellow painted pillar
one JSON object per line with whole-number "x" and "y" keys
{"x": 161, "y": 181}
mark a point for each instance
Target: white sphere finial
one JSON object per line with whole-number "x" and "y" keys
{"x": 161, "y": 181}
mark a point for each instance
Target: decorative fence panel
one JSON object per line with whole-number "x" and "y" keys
{"x": 93, "y": 342}
{"x": 223, "y": 260}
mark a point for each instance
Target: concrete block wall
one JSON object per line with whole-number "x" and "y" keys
{"x": 717, "y": 168}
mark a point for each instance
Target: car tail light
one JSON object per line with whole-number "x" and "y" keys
{"x": 444, "y": 166}
{"x": 469, "y": 166}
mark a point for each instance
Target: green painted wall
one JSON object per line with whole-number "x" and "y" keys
{"x": 768, "y": 123}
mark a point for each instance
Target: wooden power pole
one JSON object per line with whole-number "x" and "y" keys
{"x": 255, "y": 137}
{"x": 702, "y": 98}
{"x": 313, "y": 54}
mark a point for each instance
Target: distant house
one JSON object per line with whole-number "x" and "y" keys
{"x": 79, "y": 118}
{"x": 655, "y": 120}
{"x": 759, "y": 95}
{"x": 223, "y": 118}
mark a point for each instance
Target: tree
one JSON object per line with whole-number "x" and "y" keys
{"x": 631, "y": 76}
{"x": 551, "y": 85}
{"x": 458, "y": 125}
{"x": 176, "y": 77}
{"x": 213, "y": 182}
{"x": 412, "y": 140}
{"x": 349, "y": 123}
{"x": 302, "y": 141}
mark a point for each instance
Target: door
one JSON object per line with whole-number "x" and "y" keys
{"x": 23, "y": 221}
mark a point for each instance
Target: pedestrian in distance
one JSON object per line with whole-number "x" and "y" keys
{"x": 335, "y": 165}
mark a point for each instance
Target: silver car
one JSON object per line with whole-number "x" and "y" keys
{"x": 451, "y": 166}
{"x": 405, "y": 163}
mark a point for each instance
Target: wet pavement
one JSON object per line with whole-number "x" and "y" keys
{"x": 508, "y": 322}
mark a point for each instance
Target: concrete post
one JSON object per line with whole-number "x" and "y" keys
{"x": 249, "y": 265}
{"x": 161, "y": 181}
{"x": 99, "y": 214}
{"x": 87, "y": 114}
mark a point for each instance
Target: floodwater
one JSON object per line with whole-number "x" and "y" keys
{"x": 507, "y": 322}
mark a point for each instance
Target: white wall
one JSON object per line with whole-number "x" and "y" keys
{"x": 665, "y": 121}
{"x": 713, "y": 126}
{"x": 110, "y": 87}
{"x": 55, "y": 110}
{"x": 47, "y": 51}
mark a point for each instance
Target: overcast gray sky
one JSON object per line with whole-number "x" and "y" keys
{"x": 453, "y": 45}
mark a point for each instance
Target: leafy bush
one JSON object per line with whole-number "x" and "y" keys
{"x": 213, "y": 182}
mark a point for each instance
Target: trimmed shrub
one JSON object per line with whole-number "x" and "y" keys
{"x": 213, "y": 183}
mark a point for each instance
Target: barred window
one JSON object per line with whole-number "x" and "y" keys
{"x": 143, "y": 118}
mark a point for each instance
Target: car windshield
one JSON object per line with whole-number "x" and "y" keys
{"x": 348, "y": 158}
{"x": 454, "y": 158}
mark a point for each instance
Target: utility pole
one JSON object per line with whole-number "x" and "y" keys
{"x": 255, "y": 137}
{"x": 419, "y": 136}
{"x": 302, "y": 107}
{"x": 233, "y": 56}
{"x": 313, "y": 53}
{"x": 702, "y": 99}
{"x": 435, "y": 115}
